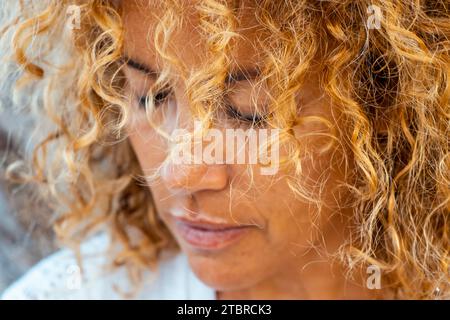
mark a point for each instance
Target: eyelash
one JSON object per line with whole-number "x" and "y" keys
{"x": 247, "y": 118}
{"x": 158, "y": 99}
{"x": 231, "y": 111}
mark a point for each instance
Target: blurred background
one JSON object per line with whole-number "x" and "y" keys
{"x": 25, "y": 232}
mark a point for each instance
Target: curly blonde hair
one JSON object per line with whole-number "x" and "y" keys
{"x": 392, "y": 86}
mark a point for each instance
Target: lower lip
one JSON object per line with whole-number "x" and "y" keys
{"x": 209, "y": 238}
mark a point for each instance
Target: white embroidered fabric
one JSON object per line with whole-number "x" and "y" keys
{"x": 59, "y": 277}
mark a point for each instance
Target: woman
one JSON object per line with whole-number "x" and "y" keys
{"x": 352, "y": 204}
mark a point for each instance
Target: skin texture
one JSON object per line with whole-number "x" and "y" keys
{"x": 285, "y": 253}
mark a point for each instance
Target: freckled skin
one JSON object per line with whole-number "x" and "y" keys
{"x": 275, "y": 260}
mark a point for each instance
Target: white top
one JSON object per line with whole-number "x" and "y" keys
{"x": 58, "y": 277}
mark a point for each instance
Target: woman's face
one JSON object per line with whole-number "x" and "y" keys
{"x": 237, "y": 229}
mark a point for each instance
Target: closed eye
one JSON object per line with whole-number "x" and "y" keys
{"x": 161, "y": 97}
{"x": 158, "y": 99}
{"x": 253, "y": 118}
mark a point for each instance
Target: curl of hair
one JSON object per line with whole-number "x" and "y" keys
{"x": 391, "y": 86}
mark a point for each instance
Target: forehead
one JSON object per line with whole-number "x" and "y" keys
{"x": 187, "y": 42}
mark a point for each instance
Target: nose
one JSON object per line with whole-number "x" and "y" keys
{"x": 191, "y": 178}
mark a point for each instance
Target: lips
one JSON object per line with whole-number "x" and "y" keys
{"x": 203, "y": 234}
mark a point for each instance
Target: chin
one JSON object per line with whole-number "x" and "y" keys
{"x": 225, "y": 275}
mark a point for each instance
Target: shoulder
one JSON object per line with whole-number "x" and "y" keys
{"x": 60, "y": 277}
{"x": 59, "y": 274}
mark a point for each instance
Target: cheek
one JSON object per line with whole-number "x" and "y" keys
{"x": 296, "y": 219}
{"x": 287, "y": 217}
{"x": 148, "y": 146}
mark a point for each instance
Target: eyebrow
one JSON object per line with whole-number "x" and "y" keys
{"x": 140, "y": 67}
{"x": 243, "y": 74}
